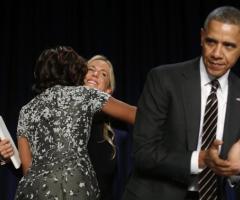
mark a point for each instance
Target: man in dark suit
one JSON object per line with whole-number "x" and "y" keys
{"x": 168, "y": 154}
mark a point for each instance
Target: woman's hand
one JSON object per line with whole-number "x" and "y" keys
{"x": 6, "y": 151}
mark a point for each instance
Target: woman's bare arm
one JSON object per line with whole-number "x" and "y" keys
{"x": 120, "y": 110}
{"x": 24, "y": 153}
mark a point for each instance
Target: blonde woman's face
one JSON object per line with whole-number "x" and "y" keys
{"x": 98, "y": 76}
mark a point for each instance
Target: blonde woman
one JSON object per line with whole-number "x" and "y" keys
{"x": 101, "y": 146}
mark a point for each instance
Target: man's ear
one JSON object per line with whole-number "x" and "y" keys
{"x": 202, "y": 36}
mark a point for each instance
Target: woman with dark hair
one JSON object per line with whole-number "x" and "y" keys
{"x": 54, "y": 128}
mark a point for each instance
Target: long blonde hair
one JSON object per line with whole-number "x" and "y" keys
{"x": 108, "y": 133}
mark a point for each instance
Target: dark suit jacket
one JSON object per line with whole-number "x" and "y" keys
{"x": 9, "y": 178}
{"x": 167, "y": 128}
{"x": 100, "y": 153}
{"x": 111, "y": 173}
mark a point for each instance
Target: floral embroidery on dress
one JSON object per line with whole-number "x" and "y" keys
{"x": 57, "y": 124}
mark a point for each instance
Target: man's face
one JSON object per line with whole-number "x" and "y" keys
{"x": 98, "y": 76}
{"x": 220, "y": 47}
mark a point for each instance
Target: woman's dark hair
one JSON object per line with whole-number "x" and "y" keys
{"x": 59, "y": 66}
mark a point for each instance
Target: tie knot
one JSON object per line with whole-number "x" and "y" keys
{"x": 215, "y": 85}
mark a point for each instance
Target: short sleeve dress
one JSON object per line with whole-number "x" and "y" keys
{"x": 57, "y": 124}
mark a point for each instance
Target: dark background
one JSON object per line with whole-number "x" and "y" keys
{"x": 135, "y": 35}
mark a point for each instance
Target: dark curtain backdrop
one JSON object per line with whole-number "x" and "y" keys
{"x": 135, "y": 35}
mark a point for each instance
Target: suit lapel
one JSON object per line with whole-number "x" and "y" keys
{"x": 191, "y": 94}
{"x": 232, "y": 118}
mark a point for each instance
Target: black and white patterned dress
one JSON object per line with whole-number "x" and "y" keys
{"x": 57, "y": 124}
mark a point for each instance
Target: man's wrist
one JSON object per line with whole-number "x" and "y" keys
{"x": 201, "y": 159}
{"x": 194, "y": 163}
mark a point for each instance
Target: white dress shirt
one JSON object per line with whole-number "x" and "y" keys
{"x": 222, "y": 94}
